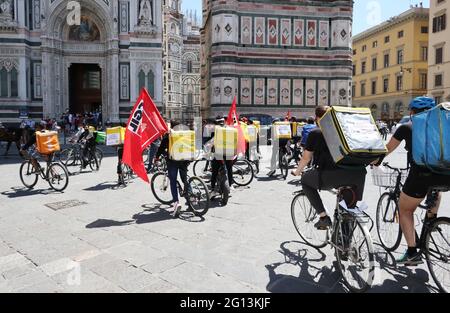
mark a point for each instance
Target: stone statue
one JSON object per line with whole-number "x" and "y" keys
{"x": 145, "y": 13}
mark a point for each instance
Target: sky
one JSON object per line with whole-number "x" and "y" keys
{"x": 367, "y": 13}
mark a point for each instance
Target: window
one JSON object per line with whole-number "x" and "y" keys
{"x": 399, "y": 83}
{"x": 386, "y": 85}
{"x": 438, "y": 80}
{"x": 14, "y": 83}
{"x": 439, "y": 23}
{"x": 439, "y": 55}
{"x": 438, "y": 100}
{"x": 141, "y": 80}
{"x": 354, "y": 69}
{"x": 363, "y": 67}
{"x": 189, "y": 66}
{"x": 9, "y": 83}
{"x": 387, "y": 39}
{"x": 375, "y": 44}
{"x": 147, "y": 81}
{"x": 354, "y": 90}
{"x": 3, "y": 83}
{"x": 190, "y": 99}
{"x": 400, "y": 56}
{"x": 364, "y": 48}
{"x": 374, "y": 64}
{"x": 386, "y": 61}
{"x": 374, "y": 87}
{"x": 401, "y": 34}
{"x": 424, "y": 30}
{"x": 363, "y": 89}
{"x": 424, "y": 53}
{"x": 354, "y": 51}
{"x": 423, "y": 81}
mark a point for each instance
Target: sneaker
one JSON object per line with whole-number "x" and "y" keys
{"x": 324, "y": 223}
{"x": 271, "y": 173}
{"x": 413, "y": 260}
{"x": 176, "y": 209}
{"x": 214, "y": 194}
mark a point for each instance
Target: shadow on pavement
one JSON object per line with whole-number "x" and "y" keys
{"x": 104, "y": 186}
{"x": 19, "y": 192}
{"x": 151, "y": 214}
{"x": 312, "y": 277}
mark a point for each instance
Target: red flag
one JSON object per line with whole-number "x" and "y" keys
{"x": 144, "y": 126}
{"x": 233, "y": 120}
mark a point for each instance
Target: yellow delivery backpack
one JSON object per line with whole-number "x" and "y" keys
{"x": 182, "y": 145}
{"x": 352, "y": 136}
{"x": 47, "y": 142}
{"x": 244, "y": 128}
{"x": 115, "y": 136}
{"x": 225, "y": 142}
{"x": 283, "y": 130}
{"x": 252, "y": 133}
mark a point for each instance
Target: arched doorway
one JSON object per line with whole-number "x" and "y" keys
{"x": 77, "y": 60}
{"x": 374, "y": 109}
{"x": 399, "y": 111}
{"x": 386, "y": 112}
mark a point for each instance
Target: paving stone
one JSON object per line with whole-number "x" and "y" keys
{"x": 135, "y": 253}
{"x": 26, "y": 280}
{"x": 162, "y": 264}
{"x": 46, "y": 286}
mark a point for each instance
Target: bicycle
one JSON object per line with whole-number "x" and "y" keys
{"x": 127, "y": 175}
{"x": 243, "y": 173}
{"x": 387, "y": 216}
{"x": 349, "y": 236}
{"x": 196, "y": 195}
{"x": 55, "y": 173}
{"x": 292, "y": 151}
{"x": 72, "y": 158}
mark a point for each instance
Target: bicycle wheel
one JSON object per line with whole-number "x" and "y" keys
{"x": 99, "y": 155}
{"x": 224, "y": 186}
{"x": 73, "y": 163}
{"x": 198, "y": 196}
{"x": 304, "y": 217}
{"x": 437, "y": 247}
{"x": 94, "y": 163}
{"x": 388, "y": 222}
{"x": 354, "y": 253}
{"x": 202, "y": 170}
{"x": 161, "y": 188}
{"x": 284, "y": 166}
{"x": 28, "y": 174}
{"x": 243, "y": 173}
{"x": 58, "y": 177}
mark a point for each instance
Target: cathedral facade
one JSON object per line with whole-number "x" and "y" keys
{"x": 79, "y": 56}
{"x": 181, "y": 62}
{"x": 276, "y": 57}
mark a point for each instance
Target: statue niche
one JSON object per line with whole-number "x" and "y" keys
{"x": 86, "y": 31}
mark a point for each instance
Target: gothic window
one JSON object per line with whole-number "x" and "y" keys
{"x": 3, "y": 83}
{"x": 190, "y": 99}
{"x": 9, "y": 83}
{"x": 189, "y": 66}
{"x": 14, "y": 83}
{"x": 147, "y": 80}
{"x": 141, "y": 80}
{"x": 151, "y": 83}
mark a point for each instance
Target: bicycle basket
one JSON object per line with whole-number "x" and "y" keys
{"x": 386, "y": 177}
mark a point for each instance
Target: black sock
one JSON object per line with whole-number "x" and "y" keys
{"x": 412, "y": 251}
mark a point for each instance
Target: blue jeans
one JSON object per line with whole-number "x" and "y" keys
{"x": 173, "y": 167}
{"x": 152, "y": 153}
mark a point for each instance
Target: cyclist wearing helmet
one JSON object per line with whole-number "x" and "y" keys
{"x": 417, "y": 185}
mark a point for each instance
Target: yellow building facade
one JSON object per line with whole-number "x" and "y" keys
{"x": 390, "y": 64}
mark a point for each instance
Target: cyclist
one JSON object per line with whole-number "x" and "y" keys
{"x": 325, "y": 174}
{"x": 120, "y": 175}
{"x": 28, "y": 151}
{"x": 419, "y": 182}
{"x": 173, "y": 167}
{"x": 88, "y": 140}
{"x": 216, "y": 164}
{"x": 279, "y": 148}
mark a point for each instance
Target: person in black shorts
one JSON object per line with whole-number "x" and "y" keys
{"x": 325, "y": 175}
{"x": 419, "y": 182}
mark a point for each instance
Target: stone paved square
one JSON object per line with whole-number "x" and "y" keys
{"x": 122, "y": 240}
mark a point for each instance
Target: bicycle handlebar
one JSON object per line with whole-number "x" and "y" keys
{"x": 386, "y": 164}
